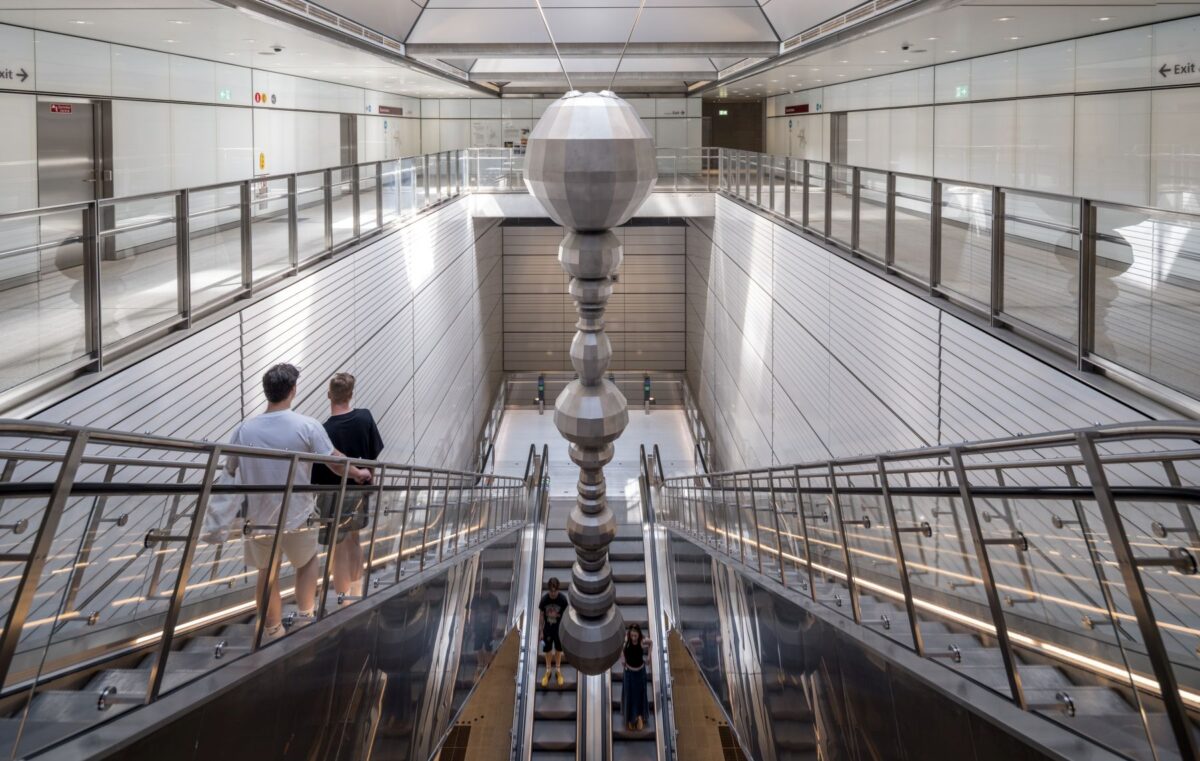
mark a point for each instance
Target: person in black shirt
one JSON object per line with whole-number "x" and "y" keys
{"x": 634, "y": 704}
{"x": 354, "y": 433}
{"x": 553, "y": 607}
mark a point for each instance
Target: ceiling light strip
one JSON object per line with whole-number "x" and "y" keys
{"x": 550, "y": 34}
{"x": 636, "y": 19}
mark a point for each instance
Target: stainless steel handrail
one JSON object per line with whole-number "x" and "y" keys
{"x": 665, "y": 734}
{"x": 800, "y": 180}
{"x": 527, "y": 658}
{"x": 701, "y": 507}
{"x": 53, "y": 461}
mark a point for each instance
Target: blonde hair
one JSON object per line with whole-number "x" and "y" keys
{"x": 341, "y": 388}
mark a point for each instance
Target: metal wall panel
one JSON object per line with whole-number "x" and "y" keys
{"x": 646, "y": 316}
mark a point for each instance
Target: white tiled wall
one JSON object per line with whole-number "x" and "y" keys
{"x": 449, "y": 124}
{"x": 1026, "y": 119}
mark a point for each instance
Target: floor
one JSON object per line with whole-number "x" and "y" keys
{"x": 665, "y": 427}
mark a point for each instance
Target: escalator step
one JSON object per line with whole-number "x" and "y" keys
{"x": 554, "y": 735}
{"x": 70, "y": 706}
{"x": 1032, "y": 677}
{"x": 621, "y": 733}
{"x": 554, "y": 704}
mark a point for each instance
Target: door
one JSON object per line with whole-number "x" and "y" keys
{"x": 68, "y": 172}
{"x": 838, "y": 139}
{"x": 349, "y": 138}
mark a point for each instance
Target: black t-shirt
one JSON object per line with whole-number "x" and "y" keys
{"x": 553, "y": 609}
{"x": 635, "y": 657}
{"x": 354, "y": 434}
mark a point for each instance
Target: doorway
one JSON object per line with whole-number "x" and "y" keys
{"x": 74, "y": 149}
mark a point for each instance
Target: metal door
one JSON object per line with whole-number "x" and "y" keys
{"x": 68, "y": 172}
{"x": 838, "y": 139}
{"x": 349, "y": 131}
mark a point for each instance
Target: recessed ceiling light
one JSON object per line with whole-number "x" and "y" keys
{"x": 81, "y": 22}
{"x": 1005, "y": 18}
{"x": 906, "y": 61}
{"x": 231, "y": 54}
{"x": 178, "y": 22}
{"x": 870, "y": 68}
{"x": 953, "y": 51}
{"x": 1104, "y": 18}
{"x": 843, "y": 62}
{"x": 931, "y": 39}
{"x": 248, "y": 40}
{"x": 170, "y": 41}
{"x": 881, "y": 52}
{"x": 841, "y": 75}
{"x": 793, "y": 76}
{"x": 1014, "y": 39}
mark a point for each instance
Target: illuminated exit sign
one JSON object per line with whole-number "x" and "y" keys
{"x": 723, "y": 112}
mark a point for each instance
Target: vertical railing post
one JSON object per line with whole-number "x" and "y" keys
{"x": 758, "y": 546}
{"x": 997, "y": 269}
{"x": 92, "y": 291}
{"x": 43, "y": 542}
{"x": 889, "y": 246}
{"x": 828, "y": 200}
{"x": 327, "y": 176}
{"x": 378, "y": 195}
{"x": 805, "y": 180}
{"x": 444, "y": 518}
{"x": 404, "y": 512}
{"x": 771, "y": 180}
{"x": 1139, "y": 598}
{"x": 356, "y": 200}
{"x": 774, "y": 507}
{"x": 331, "y": 534}
{"x": 158, "y": 668}
{"x": 835, "y": 500}
{"x": 366, "y": 573}
{"x": 758, "y": 177}
{"x": 855, "y": 207}
{"x": 183, "y": 255}
{"x": 989, "y": 581}
{"x": 803, "y": 520}
{"x": 787, "y": 187}
{"x": 901, "y": 563}
{"x": 1085, "y": 340}
{"x": 293, "y": 225}
{"x": 935, "y": 234}
{"x": 247, "y": 238}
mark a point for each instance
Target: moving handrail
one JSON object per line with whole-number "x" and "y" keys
{"x": 665, "y": 737}
{"x": 1108, "y": 512}
{"x": 117, "y": 520}
{"x": 522, "y": 732}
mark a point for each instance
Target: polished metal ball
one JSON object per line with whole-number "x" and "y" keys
{"x": 590, "y": 161}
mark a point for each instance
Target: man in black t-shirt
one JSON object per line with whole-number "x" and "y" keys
{"x": 354, "y": 434}
{"x": 553, "y": 607}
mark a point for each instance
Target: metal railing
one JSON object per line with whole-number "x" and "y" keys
{"x": 105, "y": 559}
{"x": 650, "y": 479}
{"x": 1112, "y": 286}
{"x": 1075, "y": 548}
{"x": 537, "y": 473}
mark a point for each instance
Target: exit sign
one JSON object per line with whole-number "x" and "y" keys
{"x": 225, "y": 95}
{"x": 723, "y": 112}
{"x": 962, "y": 91}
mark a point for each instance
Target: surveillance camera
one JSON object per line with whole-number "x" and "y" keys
{"x": 277, "y": 48}
{"x": 905, "y": 45}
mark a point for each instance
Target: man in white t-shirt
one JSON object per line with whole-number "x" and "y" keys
{"x": 280, "y": 428}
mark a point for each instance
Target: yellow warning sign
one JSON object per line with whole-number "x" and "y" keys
{"x": 262, "y": 161}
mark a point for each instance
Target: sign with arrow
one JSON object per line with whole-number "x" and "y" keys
{"x": 1177, "y": 70}
{"x": 17, "y": 75}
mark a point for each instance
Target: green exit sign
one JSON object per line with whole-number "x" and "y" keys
{"x": 225, "y": 95}
{"x": 961, "y": 91}
{"x": 723, "y": 112}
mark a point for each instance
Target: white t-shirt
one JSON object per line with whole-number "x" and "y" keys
{"x": 277, "y": 430}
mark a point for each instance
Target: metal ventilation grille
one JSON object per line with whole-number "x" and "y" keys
{"x": 852, "y": 16}
{"x": 730, "y": 750}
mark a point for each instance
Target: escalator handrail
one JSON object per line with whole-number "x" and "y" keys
{"x": 522, "y": 732}
{"x": 665, "y": 736}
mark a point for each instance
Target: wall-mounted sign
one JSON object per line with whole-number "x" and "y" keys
{"x": 722, "y": 112}
{"x": 391, "y": 111}
{"x": 962, "y": 91}
{"x": 262, "y": 161}
{"x": 1177, "y": 70}
{"x": 225, "y": 95}
{"x": 19, "y": 75}
{"x": 799, "y": 108}
{"x": 61, "y": 108}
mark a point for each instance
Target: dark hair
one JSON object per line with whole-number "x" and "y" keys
{"x": 631, "y": 629}
{"x": 279, "y": 381}
{"x": 553, "y": 584}
{"x": 341, "y": 388}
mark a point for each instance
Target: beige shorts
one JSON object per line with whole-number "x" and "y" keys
{"x": 299, "y": 547}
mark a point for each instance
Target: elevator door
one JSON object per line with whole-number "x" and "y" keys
{"x": 67, "y": 173}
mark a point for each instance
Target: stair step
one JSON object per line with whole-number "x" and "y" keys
{"x": 554, "y": 735}
{"x": 81, "y": 706}
{"x": 619, "y": 731}
{"x": 554, "y": 704}
{"x": 36, "y": 734}
{"x": 1089, "y": 701}
{"x": 636, "y": 750}
{"x": 1032, "y": 677}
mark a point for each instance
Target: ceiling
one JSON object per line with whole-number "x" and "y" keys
{"x": 967, "y": 30}
{"x": 672, "y": 44}
{"x": 218, "y": 32}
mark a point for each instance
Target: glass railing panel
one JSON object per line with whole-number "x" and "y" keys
{"x": 795, "y": 181}
{"x": 408, "y": 187}
{"x": 215, "y": 227}
{"x": 825, "y": 543}
{"x": 872, "y": 214}
{"x": 777, "y": 179}
{"x": 667, "y": 163}
{"x": 913, "y": 227}
{"x": 42, "y": 302}
{"x": 269, "y": 228}
{"x": 342, "y": 189}
{"x": 791, "y": 542}
{"x": 310, "y": 215}
{"x": 966, "y": 246}
{"x": 139, "y": 272}
{"x": 1041, "y": 262}
{"x": 817, "y": 218}
{"x": 367, "y": 203}
{"x": 391, "y": 191}
{"x": 1147, "y": 297}
{"x": 841, "y": 191}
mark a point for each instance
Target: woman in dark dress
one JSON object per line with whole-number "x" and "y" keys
{"x": 633, "y": 684}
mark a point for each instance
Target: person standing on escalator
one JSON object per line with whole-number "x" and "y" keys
{"x": 553, "y": 607}
{"x": 354, "y": 433}
{"x": 633, "y": 681}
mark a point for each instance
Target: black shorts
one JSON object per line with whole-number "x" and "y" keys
{"x": 550, "y": 641}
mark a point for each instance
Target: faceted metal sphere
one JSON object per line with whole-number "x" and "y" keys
{"x": 590, "y": 161}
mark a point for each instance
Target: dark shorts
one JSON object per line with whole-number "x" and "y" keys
{"x": 550, "y": 641}
{"x": 355, "y": 515}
